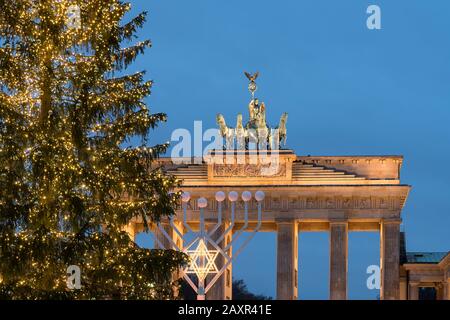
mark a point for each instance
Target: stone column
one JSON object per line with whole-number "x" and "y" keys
{"x": 413, "y": 292}
{"x": 338, "y": 260}
{"x": 161, "y": 242}
{"x": 177, "y": 239}
{"x": 287, "y": 260}
{"x": 130, "y": 228}
{"x": 166, "y": 244}
{"x": 403, "y": 289}
{"x": 440, "y": 291}
{"x": 222, "y": 289}
{"x": 447, "y": 290}
{"x": 390, "y": 260}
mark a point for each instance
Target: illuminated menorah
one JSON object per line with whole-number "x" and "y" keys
{"x": 204, "y": 249}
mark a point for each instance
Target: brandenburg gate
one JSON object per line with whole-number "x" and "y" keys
{"x": 335, "y": 194}
{"x": 331, "y": 194}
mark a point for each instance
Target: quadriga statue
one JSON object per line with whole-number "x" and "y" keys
{"x": 256, "y": 132}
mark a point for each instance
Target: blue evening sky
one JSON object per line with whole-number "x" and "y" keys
{"x": 348, "y": 91}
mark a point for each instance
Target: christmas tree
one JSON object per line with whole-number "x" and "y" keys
{"x": 70, "y": 178}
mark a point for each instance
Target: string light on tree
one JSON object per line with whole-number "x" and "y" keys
{"x": 65, "y": 115}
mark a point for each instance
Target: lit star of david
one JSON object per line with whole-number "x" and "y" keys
{"x": 202, "y": 260}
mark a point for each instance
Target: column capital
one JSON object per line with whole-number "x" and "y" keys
{"x": 390, "y": 259}
{"x": 338, "y": 259}
{"x": 139, "y": 227}
{"x": 338, "y": 222}
{"x": 285, "y": 221}
{"x": 391, "y": 221}
{"x": 287, "y": 260}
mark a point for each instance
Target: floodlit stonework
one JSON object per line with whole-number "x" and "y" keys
{"x": 335, "y": 194}
{"x": 424, "y": 275}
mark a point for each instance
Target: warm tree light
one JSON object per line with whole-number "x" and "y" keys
{"x": 69, "y": 178}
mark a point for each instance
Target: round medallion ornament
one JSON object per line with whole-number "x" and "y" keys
{"x": 252, "y": 87}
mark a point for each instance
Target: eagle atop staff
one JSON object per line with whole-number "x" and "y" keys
{"x": 252, "y": 85}
{"x": 251, "y": 77}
